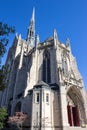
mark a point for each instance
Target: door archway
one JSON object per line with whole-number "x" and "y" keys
{"x": 75, "y": 107}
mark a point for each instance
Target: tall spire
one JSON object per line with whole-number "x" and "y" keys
{"x": 31, "y": 30}
{"x": 33, "y": 15}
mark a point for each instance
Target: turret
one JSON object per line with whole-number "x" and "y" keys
{"x": 31, "y": 31}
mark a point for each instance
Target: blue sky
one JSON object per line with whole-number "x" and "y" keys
{"x": 69, "y": 17}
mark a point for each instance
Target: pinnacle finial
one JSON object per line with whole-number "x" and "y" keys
{"x": 55, "y": 34}
{"x": 67, "y": 41}
{"x": 68, "y": 44}
{"x": 37, "y": 39}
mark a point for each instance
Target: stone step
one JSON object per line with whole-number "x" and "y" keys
{"x": 75, "y": 128}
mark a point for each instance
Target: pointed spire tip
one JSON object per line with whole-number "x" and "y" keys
{"x": 33, "y": 14}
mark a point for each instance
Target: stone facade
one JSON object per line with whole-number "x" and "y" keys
{"x": 45, "y": 83}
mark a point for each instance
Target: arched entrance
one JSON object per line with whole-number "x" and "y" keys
{"x": 75, "y": 107}
{"x": 18, "y": 107}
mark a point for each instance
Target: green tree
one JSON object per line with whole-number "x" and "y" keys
{"x": 3, "y": 117}
{"x": 5, "y": 31}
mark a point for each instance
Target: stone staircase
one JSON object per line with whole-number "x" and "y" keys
{"x": 75, "y": 128}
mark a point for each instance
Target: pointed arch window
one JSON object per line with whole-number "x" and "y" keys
{"x": 65, "y": 66}
{"x": 46, "y": 67}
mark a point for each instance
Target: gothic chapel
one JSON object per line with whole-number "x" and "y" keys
{"x": 45, "y": 83}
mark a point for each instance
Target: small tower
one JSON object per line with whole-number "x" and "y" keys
{"x": 31, "y": 31}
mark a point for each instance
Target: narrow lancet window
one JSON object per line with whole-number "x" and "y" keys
{"x": 47, "y": 98}
{"x": 46, "y": 67}
{"x": 37, "y": 100}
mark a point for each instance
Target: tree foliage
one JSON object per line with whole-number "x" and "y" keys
{"x": 5, "y": 31}
{"x": 3, "y": 74}
{"x": 3, "y": 117}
